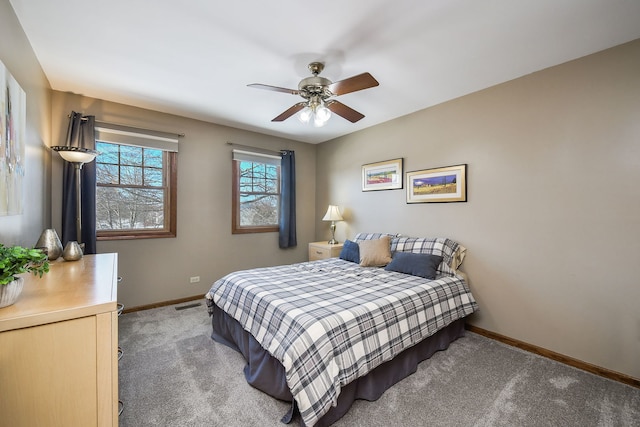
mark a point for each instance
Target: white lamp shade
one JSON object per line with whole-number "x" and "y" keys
{"x": 305, "y": 115}
{"x": 323, "y": 113}
{"x": 333, "y": 214}
{"x": 75, "y": 154}
{"x": 318, "y": 123}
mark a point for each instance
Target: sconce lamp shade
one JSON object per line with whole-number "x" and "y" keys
{"x": 75, "y": 154}
{"x": 78, "y": 156}
{"x": 333, "y": 214}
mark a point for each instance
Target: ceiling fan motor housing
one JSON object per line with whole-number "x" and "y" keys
{"x": 314, "y": 85}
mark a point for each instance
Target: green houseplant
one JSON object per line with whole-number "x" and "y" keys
{"x": 15, "y": 260}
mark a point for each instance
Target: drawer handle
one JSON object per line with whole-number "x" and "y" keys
{"x": 319, "y": 252}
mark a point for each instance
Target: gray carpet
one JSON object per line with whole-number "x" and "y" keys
{"x": 173, "y": 374}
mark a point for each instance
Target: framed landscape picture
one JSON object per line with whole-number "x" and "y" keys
{"x": 385, "y": 175}
{"x": 448, "y": 184}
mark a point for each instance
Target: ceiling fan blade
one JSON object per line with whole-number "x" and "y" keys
{"x": 343, "y": 111}
{"x": 352, "y": 84}
{"x": 274, "y": 88}
{"x": 290, "y": 112}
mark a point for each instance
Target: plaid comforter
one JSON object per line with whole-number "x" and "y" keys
{"x": 331, "y": 321}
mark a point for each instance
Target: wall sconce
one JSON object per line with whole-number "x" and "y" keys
{"x": 333, "y": 215}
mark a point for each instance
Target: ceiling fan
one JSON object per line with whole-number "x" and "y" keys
{"x": 318, "y": 93}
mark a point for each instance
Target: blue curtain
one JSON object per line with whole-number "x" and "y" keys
{"x": 287, "y": 238}
{"x": 81, "y": 133}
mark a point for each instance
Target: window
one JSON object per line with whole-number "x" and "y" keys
{"x": 256, "y": 192}
{"x": 136, "y": 189}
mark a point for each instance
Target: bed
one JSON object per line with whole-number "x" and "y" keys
{"x": 321, "y": 334}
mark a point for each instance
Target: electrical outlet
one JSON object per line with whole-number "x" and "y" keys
{"x": 194, "y": 279}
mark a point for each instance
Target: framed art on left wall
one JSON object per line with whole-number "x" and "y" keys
{"x": 13, "y": 113}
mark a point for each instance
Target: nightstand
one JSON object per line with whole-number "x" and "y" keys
{"x": 323, "y": 250}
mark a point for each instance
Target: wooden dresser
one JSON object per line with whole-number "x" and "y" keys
{"x": 58, "y": 347}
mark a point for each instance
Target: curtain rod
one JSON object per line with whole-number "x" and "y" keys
{"x": 257, "y": 149}
{"x": 179, "y": 135}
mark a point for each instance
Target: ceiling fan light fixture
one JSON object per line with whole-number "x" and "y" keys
{"x": 305, "y": 115}
{"x": 315, "y": 110}
{"x": 318, "y": 123}
{"x": 323, "y": 113}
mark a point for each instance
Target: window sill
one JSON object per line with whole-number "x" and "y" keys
{"x": 135, "y": 235}
{"x": 248, "y": 230}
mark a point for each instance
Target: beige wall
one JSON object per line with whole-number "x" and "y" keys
{"x": 18, "y": 57}
{"x": 156, "y": 270}
{"x": 552, "y": 222}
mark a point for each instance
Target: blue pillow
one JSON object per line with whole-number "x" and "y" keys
{"x": 350, "y": 252}
{"x": 422, "y": 265}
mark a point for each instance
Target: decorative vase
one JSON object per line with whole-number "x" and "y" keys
{"x": 10, "y": 292}
{"x": 72, "y": 251}
{"x": 50, "y": 241}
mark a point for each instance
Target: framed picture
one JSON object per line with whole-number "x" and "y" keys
{"x": 448, "y": 184}
{"x": 13, "y": 119}
{"x": 385, "y": 175}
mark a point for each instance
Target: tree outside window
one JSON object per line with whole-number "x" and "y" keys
{"x": 256, "y": 196}
{"x": 135, "y": 195}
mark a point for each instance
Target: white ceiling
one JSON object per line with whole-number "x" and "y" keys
{"x": 195, "y": 58}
